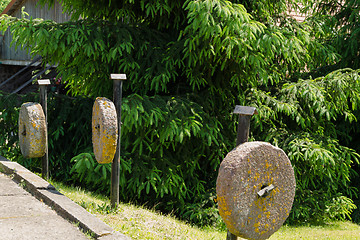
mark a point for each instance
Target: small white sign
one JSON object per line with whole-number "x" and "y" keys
{"x": 114, "y": 76}
{"x": 245, "y": 110}
{"x": 44, "y": 82}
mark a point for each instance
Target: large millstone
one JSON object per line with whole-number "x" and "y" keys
{"x": 32, "y": 130}
{"x": 104, "y": 130}
{"x": 255, "y": 190}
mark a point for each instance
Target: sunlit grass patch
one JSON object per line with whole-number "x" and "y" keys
{"x": 329, "y": 231}
{"x": 137, "y": 222}
{"x": 141, "y": 223}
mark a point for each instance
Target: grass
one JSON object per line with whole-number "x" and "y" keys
{"x": 331, "y": 231}
{"x": 137, "y": 222}
{"x": 140, "y": 223}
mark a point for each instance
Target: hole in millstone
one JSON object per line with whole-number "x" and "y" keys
{"x": 97, "y": 127}
{"x": 24, "y": 132}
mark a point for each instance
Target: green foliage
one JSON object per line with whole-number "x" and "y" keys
{"x": 104, "y": 208}
{"x": 151, "y": 169}
{"x": 212, "y": 41}
{"x": 188, "y": 63}
{"x": 69, "y": 127}
{"x": 170, "y": 138}
{"x": 340, "y": 208}
{"x": 3, "y": 4}
{"x": 170, "y": 148}
{"x": 9, "y": 115}
{"x": 91, "y": 174}
{"x": 340, "y": 21}
{"x": 69, "y": 131}
{"x": 306, "y": 119}
{"x": 203, "y": 211}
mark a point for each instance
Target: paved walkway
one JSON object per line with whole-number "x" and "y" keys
{"x": 25, "y": 217}
{"x": 22, "y": 216}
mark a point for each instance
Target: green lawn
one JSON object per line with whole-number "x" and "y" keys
{"x": 331, "y": 231}
{"x": 140, "y": 223}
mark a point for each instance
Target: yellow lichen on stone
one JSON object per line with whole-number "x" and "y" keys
{"x": 32, "y": 130}
{"x": 104, "y": 129}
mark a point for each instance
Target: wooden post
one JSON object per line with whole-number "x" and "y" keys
{"x": 243, "y": 130}
{"x": 43, "y": 102}
{"x": 115, "y": 167}
{"x": 230, "y": 236}
{"x": 245, "y": 114}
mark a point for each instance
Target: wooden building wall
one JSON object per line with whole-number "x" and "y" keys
{"x": 11, "y": 56}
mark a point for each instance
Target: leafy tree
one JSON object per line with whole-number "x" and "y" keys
{"x": 188, "y": 64}
{"x": 3, "y": 4}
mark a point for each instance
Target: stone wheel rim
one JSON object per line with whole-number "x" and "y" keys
{"x": 32, "y": 130}
{"x": 104, "y": 130}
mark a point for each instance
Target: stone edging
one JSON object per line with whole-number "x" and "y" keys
{"x": 66, "y": 208}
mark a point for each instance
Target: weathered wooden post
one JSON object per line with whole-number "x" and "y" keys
{"x": 43, "y": 83}
{"x": 115, "y": 167}
{"x": 230, "y": 236}
{"x": 245, "y": 113}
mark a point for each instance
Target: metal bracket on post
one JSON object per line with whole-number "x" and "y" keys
{"x": 115, "y": 167}
{"x": 243, "y": 130}
{"x": 43, "y": 83}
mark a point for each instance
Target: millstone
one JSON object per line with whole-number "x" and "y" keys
{"x": 104, "y": 130}
{"x": 255, "y": 190}
{"x": 32, "y": 130}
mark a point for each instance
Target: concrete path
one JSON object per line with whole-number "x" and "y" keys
{"x": 22, "y": 216}
{"x": 40, "y": 212}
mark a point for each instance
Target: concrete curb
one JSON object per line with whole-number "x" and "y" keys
{"x": 66, "y": 208}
